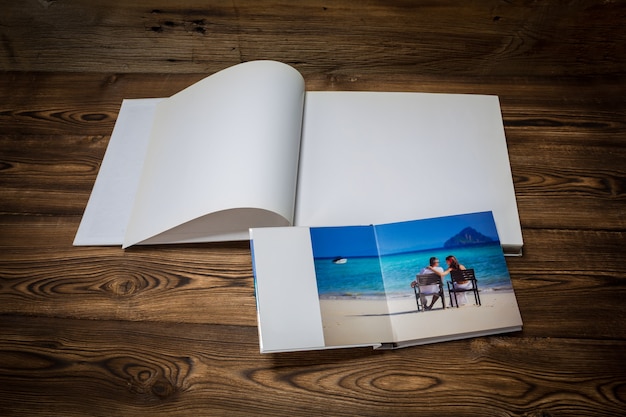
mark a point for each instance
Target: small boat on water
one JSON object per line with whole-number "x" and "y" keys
{"x": 340, "y": 260}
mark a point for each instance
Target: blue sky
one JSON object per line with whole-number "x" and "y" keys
{"x": 330, "y": 242}
{"x": 396, "y": 237}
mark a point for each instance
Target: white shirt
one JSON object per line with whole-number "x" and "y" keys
{"x": 427, "y": 270}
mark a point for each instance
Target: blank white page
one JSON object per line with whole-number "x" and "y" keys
{"x": 108, "y": 210}
{"x": 286, "y": 289}
{"x": 373, "y": 158}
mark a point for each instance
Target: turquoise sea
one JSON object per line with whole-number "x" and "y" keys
{"x": 370, "y": 277}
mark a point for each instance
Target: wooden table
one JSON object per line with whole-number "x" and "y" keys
{"x": 171, "y": 330}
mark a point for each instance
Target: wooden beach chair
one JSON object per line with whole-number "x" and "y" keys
{"x": 461, "y": 276}
{"x": 419, "y": 287}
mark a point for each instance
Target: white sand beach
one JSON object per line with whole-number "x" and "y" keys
{"x": 348, "y": 321}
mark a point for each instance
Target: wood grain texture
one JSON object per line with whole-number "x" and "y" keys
{"x": 478, "y": 39}
{"x": 171, "y": 330}
{"x": 107, "y": 367}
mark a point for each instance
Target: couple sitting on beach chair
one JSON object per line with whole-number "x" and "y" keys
{"x": 429, "y": 282}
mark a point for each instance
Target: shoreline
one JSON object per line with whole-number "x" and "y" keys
{"x": 397, "y": 295}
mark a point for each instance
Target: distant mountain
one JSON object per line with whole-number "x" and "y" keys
{"x": 467, "y": 237}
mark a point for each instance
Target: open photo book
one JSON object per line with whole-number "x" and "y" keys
{"x": 249, "y": 147}
{"x": 386, "y": 286}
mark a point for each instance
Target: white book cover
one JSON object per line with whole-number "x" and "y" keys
{"x": 332, "y": 287}
{"x": 248, "y": 147}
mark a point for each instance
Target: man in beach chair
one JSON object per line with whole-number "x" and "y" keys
{"x": 428, "y": 283}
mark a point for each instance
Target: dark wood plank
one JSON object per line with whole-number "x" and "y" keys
{"x": 102, "y": 367}
{"x": 491, "y": 38}
{"x": 44, "y": 103}
{"x": 41, "y": 274}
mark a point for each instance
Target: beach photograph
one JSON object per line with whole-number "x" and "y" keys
{"x": 366, "y": 277}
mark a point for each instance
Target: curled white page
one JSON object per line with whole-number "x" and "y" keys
{"x": 227, "y": 147}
